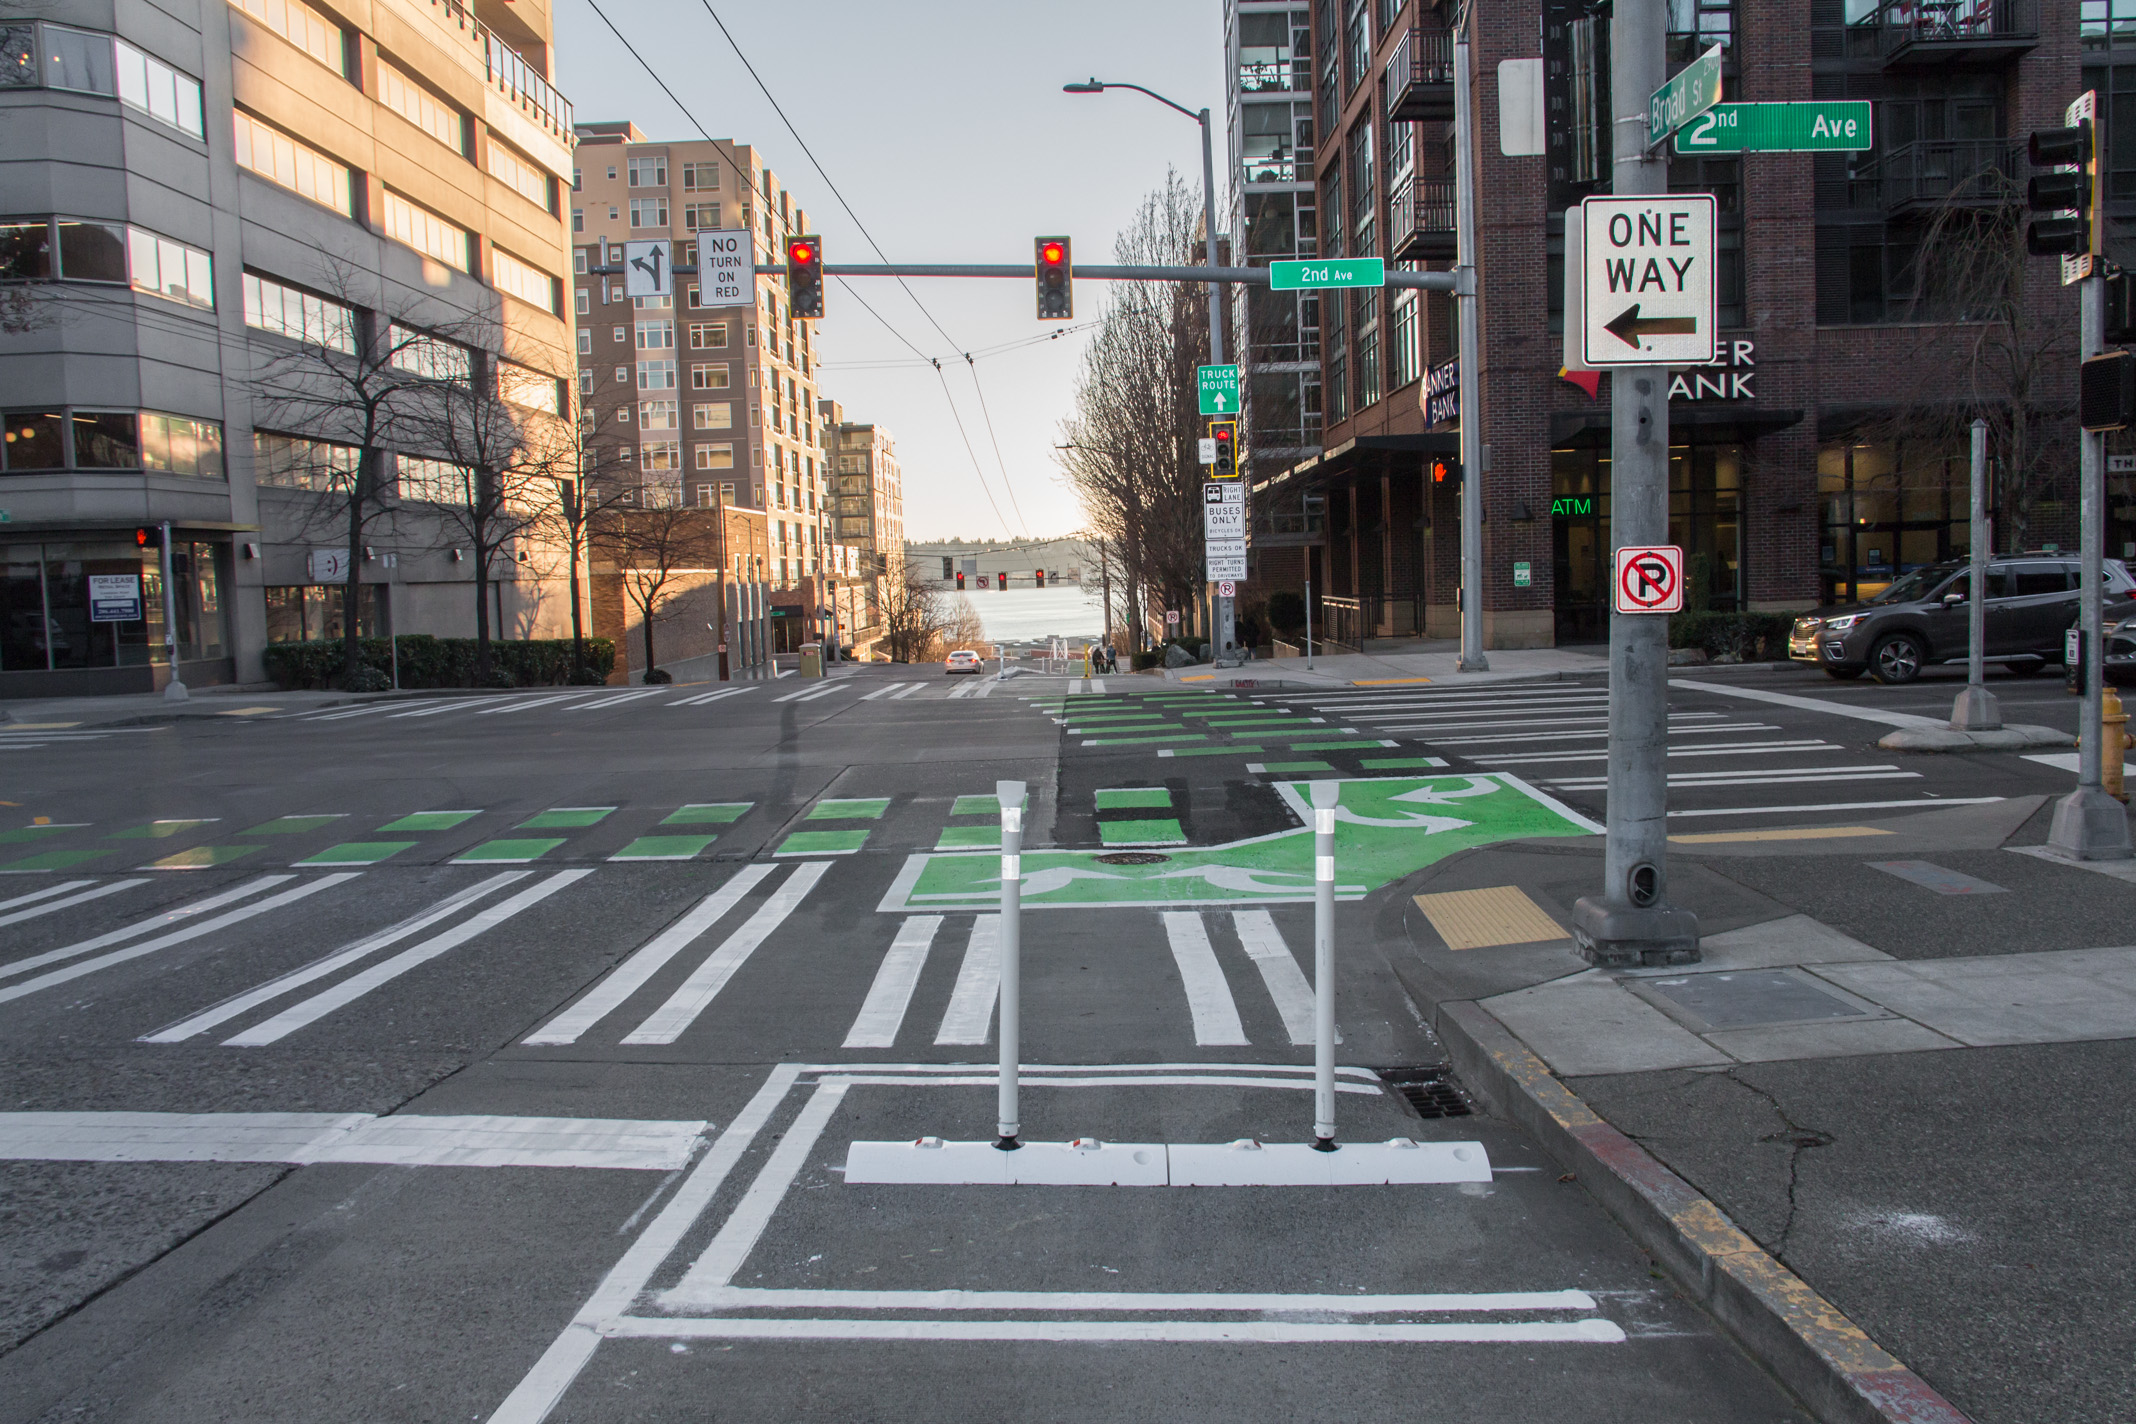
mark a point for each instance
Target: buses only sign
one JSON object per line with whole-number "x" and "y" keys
{"x": 1650, "y": 579}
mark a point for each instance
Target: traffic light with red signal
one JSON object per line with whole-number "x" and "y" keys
{"x": 960, "y": 580}
{"x": 804, "y": 275}
{"x": 1226, "y": 435}
{"x": 1001, "y": 584}
{"x": 1054, "y": 268}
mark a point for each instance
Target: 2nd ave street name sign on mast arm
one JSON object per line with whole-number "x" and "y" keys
{"x": 1828, "y": 126}
{"x": 1647, "y": 289}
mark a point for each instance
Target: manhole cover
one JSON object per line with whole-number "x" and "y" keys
{"x": 1133, "y": 857}
{"x": 1752, "y": 998}
{"x": 1432, "y": 1092}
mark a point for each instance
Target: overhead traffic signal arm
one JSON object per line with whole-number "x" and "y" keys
{"x": 804, "y": 275}
{"x": 1053, "y": 267}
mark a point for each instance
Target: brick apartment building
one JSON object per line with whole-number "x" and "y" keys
{"x": 1817, "y": 460}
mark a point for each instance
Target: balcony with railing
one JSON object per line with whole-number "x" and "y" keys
{"x": 1924, "y": 33}
{"x": 1921, "y": 177}
{"x": 1420, "y": 75}
{"x": 1420, "y": 219}
{"x": 1273, "y": 69}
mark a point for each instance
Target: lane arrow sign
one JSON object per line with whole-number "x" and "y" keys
{"x": 1627, "y": 327}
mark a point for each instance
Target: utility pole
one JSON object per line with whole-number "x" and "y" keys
{"x": 2088, "y": 823}
{"x": 1633, "y": 922}
{"x": 1471, "y": 490}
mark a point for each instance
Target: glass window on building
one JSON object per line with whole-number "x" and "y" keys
{"x": 299, "y": 612}
{"x": 51, "y": 593}
{"x": 1887, "y": 508}
{"x": 34, "y": 441}
{"x": 1705, "y": 521}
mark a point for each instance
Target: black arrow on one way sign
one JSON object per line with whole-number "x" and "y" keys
{"x": 1629, "y": 326}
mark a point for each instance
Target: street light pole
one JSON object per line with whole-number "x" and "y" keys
{"x": 1471, "y": 358}
{"x": 1225, "y": 629}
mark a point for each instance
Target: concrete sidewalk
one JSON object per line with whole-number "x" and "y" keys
{"x": 1886, "y": 1083}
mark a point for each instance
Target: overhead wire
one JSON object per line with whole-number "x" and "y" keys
{"x": 785, "y": 224}
{"x": 772, "y": 99}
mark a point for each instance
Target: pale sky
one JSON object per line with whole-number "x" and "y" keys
{"x": 944, "y": 125}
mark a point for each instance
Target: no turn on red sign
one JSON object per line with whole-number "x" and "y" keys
{"x": 1650, "y": 579}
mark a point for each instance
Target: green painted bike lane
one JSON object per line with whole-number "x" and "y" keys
{"x": 1385, "y": 828}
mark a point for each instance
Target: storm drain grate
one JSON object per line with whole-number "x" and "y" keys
{"x": 1133, "y": 857}
{"x": 1431, "y": 1092}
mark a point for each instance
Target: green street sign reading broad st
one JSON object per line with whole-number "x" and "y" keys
{"x": 1219, "y": 389}
{"x": 1695, "y": 89}
{"x": 1831, "y": 126}
{"x": 1327, "y": 272}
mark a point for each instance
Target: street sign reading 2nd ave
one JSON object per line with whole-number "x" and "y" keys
{"x": 1647, "y": 286}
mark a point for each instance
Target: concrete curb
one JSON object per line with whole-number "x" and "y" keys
{"x": 2013, "y": 737}
{"x": 1825, "y": 1359}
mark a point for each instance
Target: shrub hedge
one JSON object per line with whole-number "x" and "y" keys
{"x": 426, "y": 661}
{"x": 1750, "y": 637}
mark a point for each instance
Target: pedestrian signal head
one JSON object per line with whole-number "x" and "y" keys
{"x": 1054, "y": 269}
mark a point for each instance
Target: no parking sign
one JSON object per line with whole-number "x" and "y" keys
{"x": 1650, "y": 579}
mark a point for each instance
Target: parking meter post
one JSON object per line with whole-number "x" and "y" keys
{"x": 2088, "y": 823}
{"x": 1010, "y": 795}
{"x": 1324, "y": 796}
{"x": 1976, "y": 709}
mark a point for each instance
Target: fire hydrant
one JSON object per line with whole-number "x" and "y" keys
{"x": 2114, "y": 742}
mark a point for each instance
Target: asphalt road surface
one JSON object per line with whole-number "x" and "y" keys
{"x": 498, "y": 1057}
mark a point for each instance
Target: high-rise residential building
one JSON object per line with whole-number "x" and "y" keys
{"x": 703, "y": 403}
{"x": 196, "y": 194}
{"x": 868, "y": 501}
{"x": 1823, "y": 454}
{"x": 1269, "y": 127}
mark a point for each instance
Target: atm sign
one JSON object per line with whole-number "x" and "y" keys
{"x": 1572, "y": 508}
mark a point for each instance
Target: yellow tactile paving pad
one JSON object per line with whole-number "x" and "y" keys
{"x": 1479, "y": 919}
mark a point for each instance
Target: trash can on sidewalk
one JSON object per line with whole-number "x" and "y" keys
{"x": 812, "y": 660}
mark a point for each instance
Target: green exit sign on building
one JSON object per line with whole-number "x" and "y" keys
{"x": 1833, "y": 126}
{"x": 1312, "y": 276}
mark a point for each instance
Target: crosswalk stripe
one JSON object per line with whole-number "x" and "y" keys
{"x": 190, "y": 932}
{"x": 703, "y": 698}
{"x": 527, "y": 703}
{"x": 618, "y": 700}
{"x": 319, "y": 1005}
{"x": 66, "y": 902}
{"x": 883, "y": 1012}
{"x": 1724, "y": 749}
{"x": 1699, "y": 780}
{"x": 451, "y": 704}
{"x": 1279, "y": 971}
{"x": 630, "y": 976}
{"x": 155, "y": 922}
{"x": 318, "y": 969}
{"x": 901, "y": 696}
{"x": 970, "y": 1015}
{"x": 887, "y": 687}
{"x": 1216, "y": 1013}
{"x": 666, "y": 1023}
{"x": 1602, "y": 736}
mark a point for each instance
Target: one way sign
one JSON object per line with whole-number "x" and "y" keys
{"x": 1647, "y": 283}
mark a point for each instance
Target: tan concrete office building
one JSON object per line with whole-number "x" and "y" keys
{"x": 868, "y": 509}
{"x": 193, "y": 192}
{"x": 707, "y": 404}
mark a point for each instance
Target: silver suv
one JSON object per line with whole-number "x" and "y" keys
{"x": 1922, "y": 618}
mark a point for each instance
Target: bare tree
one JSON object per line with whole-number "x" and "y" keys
{"x": 502, "y": 454}
{"x": 912, "y": 614}
{"x": 1130, "y": 445}
{"x": 1991, "y": 336}
{"x": 652, "y": 545}
{"x": 357, "y": 381}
